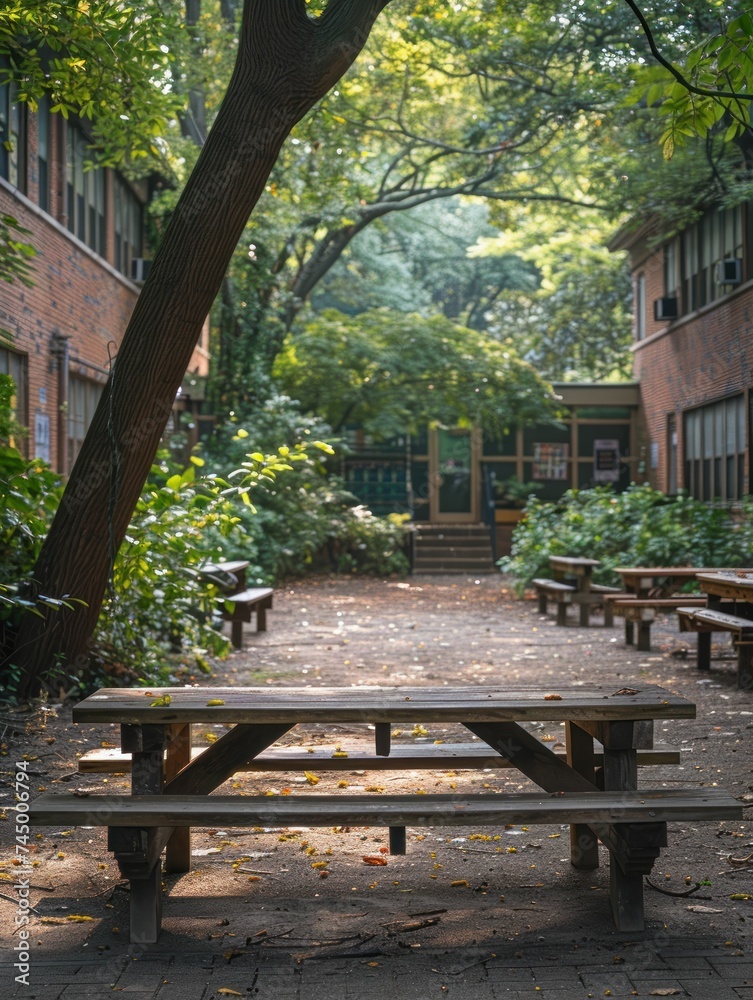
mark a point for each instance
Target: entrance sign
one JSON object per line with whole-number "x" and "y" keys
{"x": 606, "y": 461}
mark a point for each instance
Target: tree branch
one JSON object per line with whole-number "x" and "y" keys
{"x": 701, "y": 91}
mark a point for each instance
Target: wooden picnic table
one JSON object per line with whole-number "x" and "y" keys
{"x": 580, "y": 570}
{"x": 645, "y": 581}
{"x": 169, "y": 784}
{"x": 239, "y": 601}
{"x": 733, "y": 584}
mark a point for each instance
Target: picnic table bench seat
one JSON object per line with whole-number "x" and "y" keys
{"x": 706, "y": 620}
{"x": 457, "y": 756}
{"x": 631, "y": 823}
{"x": 642, "y": 611}
{"x": 237, "y": 609}
{"x": 564, "y": 594}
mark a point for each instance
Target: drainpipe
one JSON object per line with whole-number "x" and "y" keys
{"x": 60, "y": 348}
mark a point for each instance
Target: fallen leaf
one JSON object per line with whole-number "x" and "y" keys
{"x": 311, "y": 778}
{"x": 78, "y": 918}
{"x": 741, "y": 895}
{"x": 552, "y": 697}
{"x": 632, "y": 691}
{"x": 214, "y": 701}
{"x": 162, "y": 702}
{"x": 669, "y": 992}
{"x": 704, "y": 909}
{"x": 373, "y": 859}
{"x": 340, "y": 753}
{"x": 228, "y": 992}
{"x": 461, "y": 882}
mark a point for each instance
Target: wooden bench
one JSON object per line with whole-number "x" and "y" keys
{"x": 237, "y": 609}
{"x": 642, "y": 611}
{"x": 631, "y": 823}
{"x": 458, "y": 756}
{"x": 565, "y": 593}
{"x": 704, "y": 621}
{"x": 553, "y": 590}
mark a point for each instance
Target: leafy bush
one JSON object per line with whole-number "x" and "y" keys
{"x": 640, "y": 527}
{"x": 307, "y": 520}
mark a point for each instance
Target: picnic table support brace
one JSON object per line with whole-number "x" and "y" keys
{"x": 584, "y": 846}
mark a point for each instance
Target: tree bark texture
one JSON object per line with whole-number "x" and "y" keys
{"x": 286, "y": 61}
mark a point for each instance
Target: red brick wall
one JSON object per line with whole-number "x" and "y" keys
{"x": 699, "y": 360}
{"x": 75, "y": 295}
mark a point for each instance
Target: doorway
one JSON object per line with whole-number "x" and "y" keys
{"x": 454, "y": 475}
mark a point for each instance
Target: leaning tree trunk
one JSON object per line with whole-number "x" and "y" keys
{"x": 286, "y": 62}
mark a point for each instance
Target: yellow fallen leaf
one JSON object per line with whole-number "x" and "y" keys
{"x": 741, "y": 895}
{"x": 340, "y": 753}
{"x": 311, "y": 778}
{"x": 228, "y": 992}
{"x": 78, "y": 918}
{"x": 461, "y": 882}
{"x": 419, "y": 730}
{"x": 52, "y": 920}
{"x": 319, "y": 864}
{"x": 215, "y": 701}
{"x": 162, "y": 702}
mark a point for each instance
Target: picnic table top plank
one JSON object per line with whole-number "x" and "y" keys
{"x": 369, "y": 810}
{"x": 381, "y": 704}
{"x": 575, "y": 563}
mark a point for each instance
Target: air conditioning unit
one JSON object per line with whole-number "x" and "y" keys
{"x": 140, "y": 267}
{"x": 730, "y": 271}
{"x": 665, "y": 308}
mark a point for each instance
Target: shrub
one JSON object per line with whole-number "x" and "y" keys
{"x": 640, "y": 527}
{"x": 307, "y": 520}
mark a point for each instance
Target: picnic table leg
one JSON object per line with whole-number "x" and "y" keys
{"x": 628, "y": 633}
{"x": 397, "y": 840}
{"x": 261, "y": 618}
{"x": 745, "y": 662}
{"x": 561, "y": 613}
{"x": 146, "y": 907}
{"x": 608, "y": 614}
{"x": 147, "y": 745}
{"x": 584, "y": 847}
{"x": 703, "y": 656}
{"x": 625, "y": 887}
{"x": 542, "y": 602}
{"x": 644, "y": 636}
{"x": 178, "y": 851}
{"x": 236, "y": 633}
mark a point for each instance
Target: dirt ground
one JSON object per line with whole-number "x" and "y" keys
{"x": 310, "y": 891}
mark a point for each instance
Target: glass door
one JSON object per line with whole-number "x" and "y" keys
{"x": 454, "y": 475}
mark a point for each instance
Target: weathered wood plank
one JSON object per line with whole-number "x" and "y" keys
{"x": 374, "y": 704}
{"x": 650, "y": 806}
{"x": 458, "y": 756}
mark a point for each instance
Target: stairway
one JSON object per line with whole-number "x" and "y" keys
{"x": 453, "y": 548}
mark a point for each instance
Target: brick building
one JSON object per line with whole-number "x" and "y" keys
{"x": 693, "y": 352}
{"x": 87, "y": 226}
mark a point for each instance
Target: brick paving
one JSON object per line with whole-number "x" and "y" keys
{"x": 527, "y": 934}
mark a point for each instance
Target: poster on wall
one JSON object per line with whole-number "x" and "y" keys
{"x": 550, "y": 461}
{"x": 606, "y": 461}
{"x": 42, "y": 436}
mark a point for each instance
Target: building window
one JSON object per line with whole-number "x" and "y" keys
{"x": 12, "y": 138}
{"x": 670, "y": 269}
{"x": 640, "y": 306}
{"x": 85, "y": 194}
{"x": 15, "y": 365}
{"x": 717, "y": 236}
{"x": 672, "y": 454}
{"x": 714, "y": 441}
{"x": 43, "y": 154}
{"x": 129, "y": 224}
{"x": 83, "y": 397}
